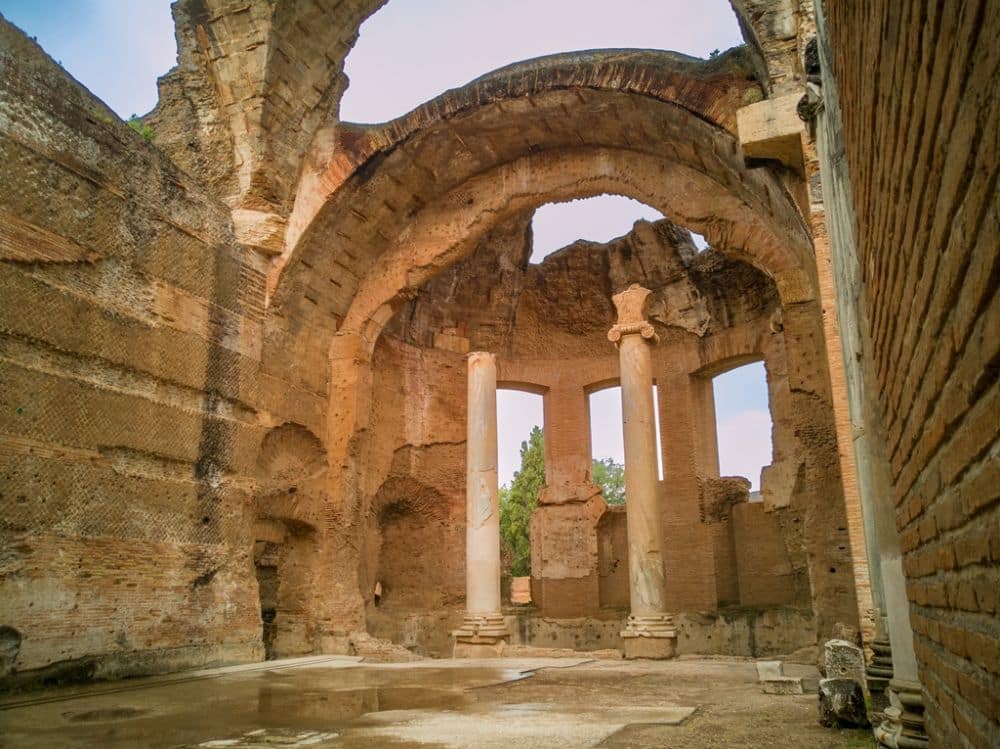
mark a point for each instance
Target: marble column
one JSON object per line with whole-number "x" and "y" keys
{"x": 483, "y": 632}
{"x": 649, "y": 632}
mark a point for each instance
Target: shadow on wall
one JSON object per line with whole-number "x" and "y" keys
{"x": 414, "y": 554}
{"x": 406, "y": 547}
{"x": 612, "y": 559}
{"x": 290, "y": 471}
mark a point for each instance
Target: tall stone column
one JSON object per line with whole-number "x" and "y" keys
{"x": 649, "y": 632}
{"x": 483, "y": 632}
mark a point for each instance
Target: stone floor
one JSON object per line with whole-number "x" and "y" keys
{"x": 508, "y": 703}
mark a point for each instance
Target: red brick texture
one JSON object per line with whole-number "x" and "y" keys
{"x": 920, "y": 94}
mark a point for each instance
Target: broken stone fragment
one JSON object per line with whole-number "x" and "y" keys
{"x": 844, "y": 660}
{"x": 771, "y": 675}
{"x": 842, "y": 704}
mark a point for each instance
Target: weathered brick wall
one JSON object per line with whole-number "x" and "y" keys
{"x": 762, "y": 565}
{"x": 920, "y": 97}
{"x": 129, "y": 344}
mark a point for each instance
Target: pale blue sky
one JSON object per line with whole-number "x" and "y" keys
{"x": 409, "y": 52}
{"x": 412, "y": 50}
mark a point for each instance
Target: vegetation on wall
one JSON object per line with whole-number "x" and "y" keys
{"x": 142, "y": 128}
{"x": 519, "y": 500}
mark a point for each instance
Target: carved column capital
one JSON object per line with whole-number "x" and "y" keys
{"x": 631, "y": 307}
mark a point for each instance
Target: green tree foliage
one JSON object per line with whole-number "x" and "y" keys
{"x": 610, "y": 476}
{"x": 519, "y": 500}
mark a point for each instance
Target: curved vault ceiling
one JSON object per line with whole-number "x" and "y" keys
{"x": 385, "y": 207}
{"x": 264, "y": 82}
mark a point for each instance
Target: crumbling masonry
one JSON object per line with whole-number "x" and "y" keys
{"x": 233, "y": 362}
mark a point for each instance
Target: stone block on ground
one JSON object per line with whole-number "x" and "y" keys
{"x": 842, "y": 704}
{"x": 769, "y": 670}
{"x": 379, "y": 650}
{"x": 771, "y": 675}
{"x": 844, "y": 660}
{"x": 783, "y": 685}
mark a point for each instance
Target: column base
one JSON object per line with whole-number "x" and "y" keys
{"x": 481, "y": 636}
{"x": 878, "y": 674}
{"x": 903, "y": 727}
{"x": 651, "y": 637}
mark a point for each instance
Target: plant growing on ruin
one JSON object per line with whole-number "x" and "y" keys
{"x": 142, "y": 128}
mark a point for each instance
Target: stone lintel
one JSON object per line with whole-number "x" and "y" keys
{"x": 565, "y": 494}
{"x": 771, "y": 130}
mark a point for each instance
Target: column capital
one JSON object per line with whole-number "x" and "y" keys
{"x": 631, "y": 307}
{"x": 475, "y": 357}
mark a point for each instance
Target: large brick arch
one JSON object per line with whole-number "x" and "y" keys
{"x": 649, "y": 125}
{"x": 257, "y": 85}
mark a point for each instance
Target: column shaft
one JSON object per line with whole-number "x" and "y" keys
{"x": 482, "y": 534}
{"x": 649, "y": 632}
{"x": 648, "y": 585}
{"x": 483, "y": 632}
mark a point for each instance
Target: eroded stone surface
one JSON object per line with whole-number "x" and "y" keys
{"x": 282, "y": 308}
{"x": 841, "y": 703}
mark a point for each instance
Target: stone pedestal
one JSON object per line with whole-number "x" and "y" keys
{"x": 649, "y": 632}
{"x": 844, "y": 660}
{"x": 481, "y": 636}
{"x": 483, "y": 632}
{"x": 842, "y": 704}
{"x": 903, "y": 727}
{"x": 879, "y": 673}
{"x": 650, "y": 637}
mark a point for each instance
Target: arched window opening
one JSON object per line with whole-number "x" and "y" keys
{"x": 607, "y": 443}
{"x": 521, "y": 474}
{"x": 743, "y": 423}
{"x": 412, "y": 50}
{"x": 598, "y": 219}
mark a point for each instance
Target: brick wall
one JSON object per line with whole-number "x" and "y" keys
{"x": 920, "y": 97}
{"x": 763, "y": 568}
{"x": 129, "y": 342}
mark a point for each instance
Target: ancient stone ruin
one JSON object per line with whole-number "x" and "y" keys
{"x": 248, "y": 371}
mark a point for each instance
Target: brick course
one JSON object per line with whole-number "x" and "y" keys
{"x": 921, "y": 108}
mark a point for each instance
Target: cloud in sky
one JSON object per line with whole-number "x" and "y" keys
{"x": 517, "y": 413}
{"x": 408, "y": 52}
{"x": 743, "y": 422}
{"x": 745, "y": 445}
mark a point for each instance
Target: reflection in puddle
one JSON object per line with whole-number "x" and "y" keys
{"x": 288, "y": 707}
{"x": 273, "y": 704}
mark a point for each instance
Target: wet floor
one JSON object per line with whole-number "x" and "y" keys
{"x": 339, "y": 702}
{"x": 331, "y": 703}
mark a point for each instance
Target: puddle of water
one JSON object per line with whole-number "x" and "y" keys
{"x": 308, "y": 705}
{"x": 113, "y": 713}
